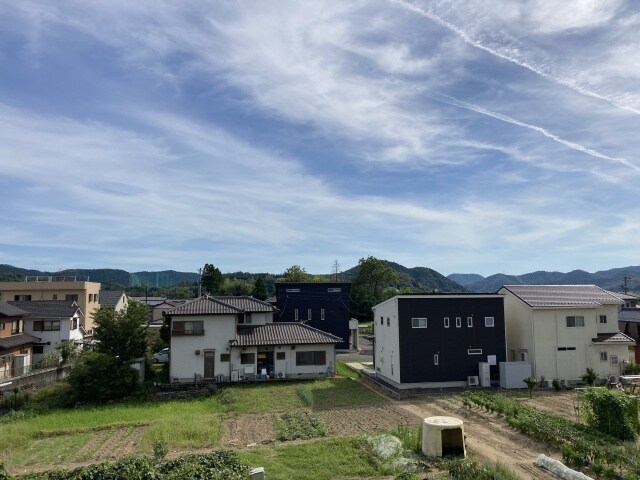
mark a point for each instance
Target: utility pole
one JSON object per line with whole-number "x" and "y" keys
{"x": 336, "y": 268}
{"x": 200, "y": 283}
{"x": 625, "y": 285}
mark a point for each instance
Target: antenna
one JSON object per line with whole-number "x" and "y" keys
{"x": 625, "y": 285}
{"x": 335, "y": 269}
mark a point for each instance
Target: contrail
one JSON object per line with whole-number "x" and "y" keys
{"x": 522, "y": 63}
{"x": 505, "y": 118}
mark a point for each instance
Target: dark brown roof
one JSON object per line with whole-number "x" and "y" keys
{"x": 17, "y": 340}
{"x": 221, "y": 305}
{"x": 545, "y": 296}
{"x": 617, "y": 337}
{"x": 48, "y": 308}
{"x": 281, "y": 333}
{"x": 7, "y": 310}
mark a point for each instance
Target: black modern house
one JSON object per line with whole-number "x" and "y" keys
{"x": 322, "y": 305}
{"x": 439, "y": 340}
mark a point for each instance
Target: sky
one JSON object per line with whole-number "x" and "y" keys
{"x": 468, "y": 136}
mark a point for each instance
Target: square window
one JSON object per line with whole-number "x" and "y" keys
{"x": 489, "y": 321}
{"x": 470, "y": 322}
{"x": 418, "y": 323}
{"x": 225, "y": 357}
{"x": 446, "y": 322}
{"x": 458, "y": 322}
{"x": 614, "y": 359}
{"x": 247, "y": 358}
{"x": 281, "y": 356}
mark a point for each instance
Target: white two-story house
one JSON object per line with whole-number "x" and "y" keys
{"x": 235, "y": 339}
{"x": 564, "y": 329}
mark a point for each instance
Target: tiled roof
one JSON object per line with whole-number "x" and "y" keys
{"x": 282, "y": 333}
{"x": 629, "y": 315}
{"x": 48, "y": 308}
{"x": 17, "y": 340}
{"x": 221, "y": 305}
{"x": 617, "y": 337}
{"x": 7, "y": 310}
{"x": 585, "y": 296}
{"x": 110, "y": 298}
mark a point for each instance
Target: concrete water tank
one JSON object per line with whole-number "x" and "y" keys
{"x": 443, "y": 436}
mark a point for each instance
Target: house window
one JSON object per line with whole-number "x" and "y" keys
{"x": 1, "y": 325}
{"x": 244, "y": 318}
{"x": 436, "y": 359}
{"x": 55, "y": 296}
{"x": 575, "y": 321}
{"x": 22, "y": 298}
{"x": 334, "y": 290}
{"x": 381, "y": 320}
{"x": 293, "y": 290}
{"x": 458, "y": 322}
{"x": 311, "y": 358}
{"x": 309, "y": 314}
{"x": 388, "y": 321}
{"x": 247, "y": 358}
{"x": 603, "y": 319}
{"x": 446, "y": 322}
{"x": 38, "y": 349}
{"x": 74, "y": 323}
{"x": 474, "y": 351}
{"x": 71, "y": 297}
{"x": 469, "y": 322}
{"x": 281, "y": 356}
{"x": 566, "y": 349}
{"x": 225, "y": 357}
{"x": 418, "y": 323}
{"x": 17, "y": 326}
{"x": 489, "y": 322}
{"x": 195, "y": 327}
{"x": 614, "y": 359}
{"x": 603, "y": 356}
{"x": 46, "y": 326}
{"x": 322, "y": 314}
{"x": 295, "y": 314}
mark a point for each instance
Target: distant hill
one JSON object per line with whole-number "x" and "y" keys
{"x": 608, "y": 279}
{"x": 420, "y": 279}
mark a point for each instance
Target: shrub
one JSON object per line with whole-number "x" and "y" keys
{"x": 531, "y": 383}
{"x": 612, "y": 412}
{"x": 467, "y": 470}
{"x": 589, "y": 377}
{"x": 292, "y": 426}
{"x": 411, "y": 437}
{"x": 631, "y": 368}
{"x": 556, "y": 384}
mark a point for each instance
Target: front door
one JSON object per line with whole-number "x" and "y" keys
{"x": 209, "y": 363}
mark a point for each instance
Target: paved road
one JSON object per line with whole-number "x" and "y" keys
{"x": 365, "y": 354}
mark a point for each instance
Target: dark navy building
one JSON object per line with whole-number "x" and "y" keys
{"x": 439, "y": 340}
{"x": 322, "y": 305}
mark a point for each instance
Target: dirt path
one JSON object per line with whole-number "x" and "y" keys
{"x": 488, "y": 437}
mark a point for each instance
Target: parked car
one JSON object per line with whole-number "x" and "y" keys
{"x": 162, "y": 356}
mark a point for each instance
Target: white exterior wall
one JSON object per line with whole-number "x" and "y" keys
{"x": 51, "y": 339}
{"x": 387, "y": 341}
{"x": 261, "y": 318}
{"x": 518, "y": 319}
{"x": 184, "y": 364}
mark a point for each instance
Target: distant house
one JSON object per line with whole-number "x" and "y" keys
{"x": 322, "y": 305}
{"x": 114, "y": 299}
{"x": 565, "y": 329}
{"x": 16, "y": 346}
{"x": 234, "y": 339}
{"x": 436, "y": 340}
{"x": 54, "y": 322}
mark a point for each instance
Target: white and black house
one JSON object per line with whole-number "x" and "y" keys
{"x": 438, "y": 340}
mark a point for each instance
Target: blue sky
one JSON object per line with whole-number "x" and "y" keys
{"x": 467, "y": 136}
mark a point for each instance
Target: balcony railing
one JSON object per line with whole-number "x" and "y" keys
{"x": 179, "y": 333}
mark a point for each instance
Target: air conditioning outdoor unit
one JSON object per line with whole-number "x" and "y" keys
{"x": 473, "y": 381}
{"x": 281, "y": 375}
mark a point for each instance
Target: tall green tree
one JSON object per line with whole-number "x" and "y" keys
{"x": 376, "y": 281}
{"x": 236, "y": 286}
{"x": 122, "y": 335}
{"x": 211, "y": 280}
{"x": 296, "y": 273}
{"x": 260, "y": 289}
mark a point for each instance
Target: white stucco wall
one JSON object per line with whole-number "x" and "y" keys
{"x": 55, "y": 337}
{"x": 387, "y": 341}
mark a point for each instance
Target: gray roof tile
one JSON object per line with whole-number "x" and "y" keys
{"x": 617, "y": 337}
{"x": 17, "y": 340}
{"x": 48, "y": 308}
{"x": 7, "y": 310}
{"x": 541, "y": 296}
{"x": 221, "y": 305}
{"x": 281, "y": 333}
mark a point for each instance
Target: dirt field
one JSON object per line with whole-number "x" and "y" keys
{"x": 559, "y": 403}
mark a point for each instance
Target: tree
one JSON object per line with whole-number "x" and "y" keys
{"x": 374, "y": 283}
{"x": 236, "y": 286}
{"x": 211, "y": 279}
{"x": 260, "y": 289}
{"x": 122, "y": 335}
{"x": 296, "y": 273}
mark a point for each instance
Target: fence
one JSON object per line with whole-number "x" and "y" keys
{"x": 36, "y": 378}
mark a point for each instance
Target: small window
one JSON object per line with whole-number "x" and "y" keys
{"x": 388, "y": 321}
{"x": 614, "y": 359}
{"x": 458, "y": 322}
{"x": 381, "y": 320}
{"x": 566, "y": 349}
{"x": 603, "y": 319}
{"x": 293, "y": 290}
{"x": 74, "y": 323}
{"x": 22, "y": 298}
{"x": 281, "y": 356}
{"x": 489, "y": 322}
{"x": 224, "y": 357}
{"x": 603, "y": 356}
{"x": 309, "y": 314}
{"x": 470, "y": 322}
{"x": 446, "y": 322}
{"x": 418, "y": 323}
{"x": 72, "y": 297}
{"x": 436, "y": 359}
{"x": 38, "y": 349}
{"x": 474, "y": 351}
{"x": 295, "y": 314}
{"x": 334, "y": 290}
{"x": 322, "y": 314}
{"x": 247, "y": 358}
{"x": 575, "y": 321}
{"x": 55, "y": 296}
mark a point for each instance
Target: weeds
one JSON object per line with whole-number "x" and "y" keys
{"x": 305, "y": 394}
{"x": 295, "y": 425}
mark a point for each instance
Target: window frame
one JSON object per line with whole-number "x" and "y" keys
{"x": 601, "y": 318}
{"x": 458, "y": 322}
{"x": 446, "y": 322}
{"x": 474, "y": 351}
{"x": 614, "y": 360}
{"x": 322, "y": 314}
{"x": 574, "y": 320}
{"x": 225, "y": 357}
{"x": 436, "y": 359}
{"x": 246, "y": 356}
{"x": 469, "y": 322}
{"x": 604, "y": 356}
{"x": 311, "y": 358}
{"x": 46, "y": 325}
{"x": 419, "y": 322}
{"x": 489, "y": 323}
{"x": 281, "y": 355}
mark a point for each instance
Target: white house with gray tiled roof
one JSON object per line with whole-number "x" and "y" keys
{"x": 564, "y": 329}
{"x": 235, "y": 339}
